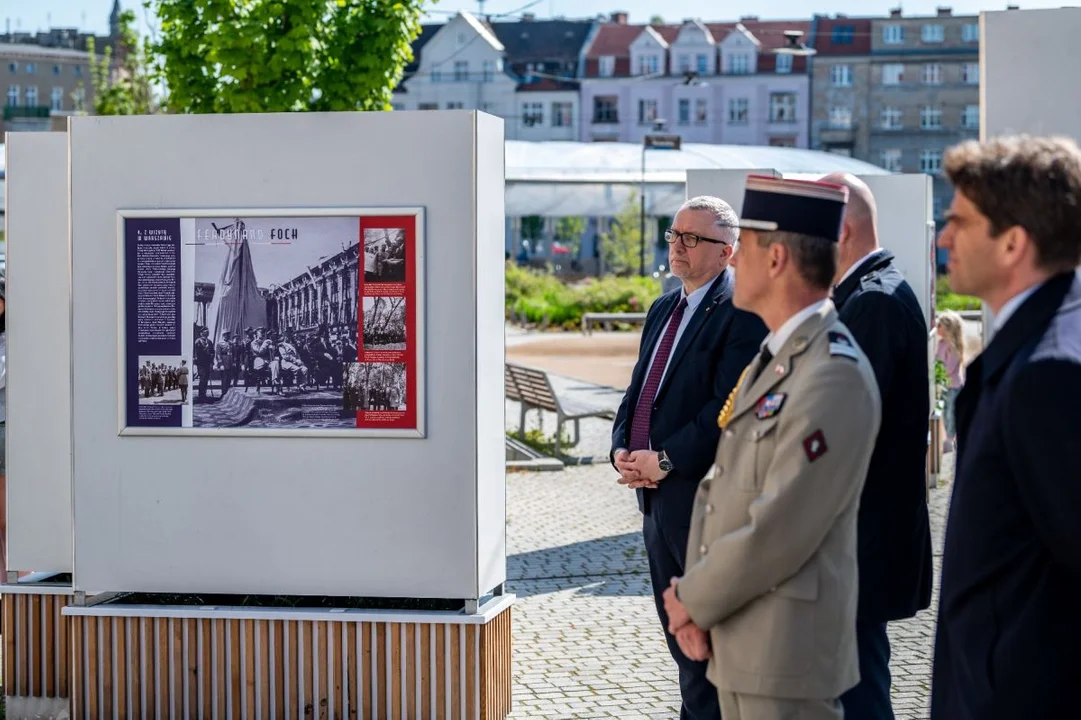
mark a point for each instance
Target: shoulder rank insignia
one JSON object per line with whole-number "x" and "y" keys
{"x": 841, "y": 345}
{"x": 769, "y": 405}
{"x": 814, "y": 445}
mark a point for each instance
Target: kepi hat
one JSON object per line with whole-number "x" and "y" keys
{"x": 814, "y": 208}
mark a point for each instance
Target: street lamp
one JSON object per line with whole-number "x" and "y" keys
{"x": 657, "y": 142}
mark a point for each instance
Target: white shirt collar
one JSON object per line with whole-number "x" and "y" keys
{"x": 859, "y": 262}
{"x": 695, "y": 298}
{"x": 775, "y": 341}
{"x": 1010, "y": 306}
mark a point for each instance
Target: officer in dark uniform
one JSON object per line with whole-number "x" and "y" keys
{"x": 1008, "y": 642}
{"x": 894, "y": 543}
{"x": 203, "y": 353}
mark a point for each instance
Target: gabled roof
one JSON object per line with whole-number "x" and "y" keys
{"x": 741, "y": 29}
{"x": 701, "y": 26}
{"x": 533, "y": 40}
{"x": 657, "y": 37}
{"x": 427, "y": 32}
{"x": 830, "y": 34}
{"x": 616, "y": 39}
{"x": 481, "y": 28}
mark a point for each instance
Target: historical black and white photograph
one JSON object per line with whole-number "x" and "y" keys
{"x": 163, "y": 380}
{"x": 384, "y": 255}
{"x": 276, "y": 318}
{"x": 384, "y": 323}
{"x": 374, "y": 387}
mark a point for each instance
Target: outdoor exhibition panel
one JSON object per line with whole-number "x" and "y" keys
{"x": 38, "y": 328}
{"x": 334, "y": 303}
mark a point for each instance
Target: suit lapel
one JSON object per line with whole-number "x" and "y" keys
{"x": 720, "y": 291}
{"x": 651, "y": 334}
{"x": 780, "y": 366}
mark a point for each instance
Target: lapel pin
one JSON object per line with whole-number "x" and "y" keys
{"x": 779, "y": 369}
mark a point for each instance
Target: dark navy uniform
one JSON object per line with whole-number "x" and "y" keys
{"x": 879, "y": 308}
{"x": 1008, "y": 643}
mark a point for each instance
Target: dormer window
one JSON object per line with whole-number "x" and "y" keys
{"x": 648, "y": 64}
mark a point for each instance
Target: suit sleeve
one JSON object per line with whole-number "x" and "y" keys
{"x": 1042, "y": 424}
{"x": 871, "y": 318}
{"x": 693, "y": 447}
{"x": 801, "y": 498}
{"x": 619, "y": 426}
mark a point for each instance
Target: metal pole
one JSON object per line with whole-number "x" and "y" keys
{"x": 642, "y": 218}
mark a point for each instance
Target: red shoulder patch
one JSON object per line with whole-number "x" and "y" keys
{"x": 815, "y": 445}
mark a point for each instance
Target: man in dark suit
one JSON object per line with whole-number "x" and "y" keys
{"x": 694, "y": 346}
{"x": 1008, "y": 621}
{"x": 878, "y": 306}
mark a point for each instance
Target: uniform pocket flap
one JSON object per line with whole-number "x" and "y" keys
{"x": 762, "y": 429}
{"x": 801, "y": 586}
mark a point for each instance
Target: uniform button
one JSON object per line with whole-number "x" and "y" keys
{"x": 729, "y": 433}
{"x": 709, "y": 508}
{"x": 720, "y": 470}
{"x": 702, "y": 549}
{"x": 773, "y": 589}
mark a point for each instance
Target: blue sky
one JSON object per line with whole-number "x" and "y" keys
{"x": 30, "y": 15}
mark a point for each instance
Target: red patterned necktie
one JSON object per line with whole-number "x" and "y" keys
{"x": 642, "y": 411}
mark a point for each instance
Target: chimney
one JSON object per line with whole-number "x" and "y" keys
{"x": 1013, "y": 7}
{"x": 944, "y": 11}
{"x": 528, "y": 17}
{"x": 619, "y": 17}
{"x": 749, "y": 18}
{"x": 895, "y": 12}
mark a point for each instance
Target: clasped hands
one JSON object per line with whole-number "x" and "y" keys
{"x": 693, "y": 640}
{"x": 639, "y": 469}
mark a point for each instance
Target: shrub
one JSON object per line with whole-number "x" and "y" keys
{"x": 946, "y": 299}
{"x": 539, "y": 297}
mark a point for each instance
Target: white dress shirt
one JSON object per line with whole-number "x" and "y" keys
{"x": 775, "y": 341}
{"x": 1010, "y": 307}
{"x": 855, "y": 265}
{"x": 693, "y": 301}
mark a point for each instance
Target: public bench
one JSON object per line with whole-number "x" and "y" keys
{"x": 590, "y": 319}
{"x": 533, "y": 389}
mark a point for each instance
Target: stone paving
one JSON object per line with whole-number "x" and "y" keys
{"x": 587, "y": 641}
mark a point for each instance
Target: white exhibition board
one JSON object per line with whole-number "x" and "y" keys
{"x": 905, "y": 224}
{"x": 1024, "y": 56}
{"x": 254, "y": 511}
{"x": 38, "y": 321}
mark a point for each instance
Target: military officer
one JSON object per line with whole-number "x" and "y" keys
{"x": 769, "y": 596}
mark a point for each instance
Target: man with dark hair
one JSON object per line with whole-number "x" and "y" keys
{"x": 770, "y": 594}
{"x": 694, "y": 345}
{"x": 1008, "y": 621}
{"x": 879, "y": 308}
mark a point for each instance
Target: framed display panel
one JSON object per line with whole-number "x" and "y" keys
{"x": 292, "y": 512}
{"x": 272, "y": 322}
{"x": 38, "y": 328}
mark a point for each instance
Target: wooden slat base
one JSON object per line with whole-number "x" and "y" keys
{"x": 36, "y": 644}
{"x": 201, "y": 666}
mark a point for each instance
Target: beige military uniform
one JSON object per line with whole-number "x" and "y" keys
{"x": 771, "y": 557}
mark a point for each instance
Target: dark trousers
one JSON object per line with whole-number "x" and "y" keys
{"x": 666, "y": 548}
{"x": 870, "y": 700}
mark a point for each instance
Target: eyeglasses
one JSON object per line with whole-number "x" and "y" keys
{"x": 690, "y": 240}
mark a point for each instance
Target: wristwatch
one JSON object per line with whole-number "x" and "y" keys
{"x": 664, "y": 463}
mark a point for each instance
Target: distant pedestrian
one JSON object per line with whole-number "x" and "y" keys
{"x": 951, "y": 351}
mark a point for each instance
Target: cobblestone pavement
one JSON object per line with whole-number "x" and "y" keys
{"x": 587, "y": 641}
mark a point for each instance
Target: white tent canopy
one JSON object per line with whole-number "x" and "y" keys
{"x": 556, "y": 179}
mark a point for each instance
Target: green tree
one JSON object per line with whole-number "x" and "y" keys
{"x": 621, "y": 245}
{"x": 226, "y": 56}
{"x": 126, "y": 88}
{"x": 569, "y": 232}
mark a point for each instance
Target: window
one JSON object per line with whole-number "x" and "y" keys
{"x": 437, "y": 75}
{"x": 970, "y": 118}
{"x": 606, "y": 109}
{"x": 784, "y": 64}
{"x": 970, "y": 33}
{"x": 647, "y": 64}
{"x": 684, "y": 111}
{"x": 701, "y": 111}
{"x": 647, "y": 112}
{"x": 893, "y": 74}
{"x": 932, "y": 74}
{"x": 842, "y": 34}
{"x": 892, "y": 118}
{"x": 58, "y": 98}
{"x": 56, "y": 69}
{"x": 394, "y": 106}
{"x": 841, "y": 75}
{"x": 933, "y": 33}
{"x": 30, "y": 68}
{"x": 785, "y": 141}
{"x": 893, "y": 34}
{"x": 970, "y": 73}
{"x": 454, "y": 105}
{"x": 931, "y": 161}
{"x": 684, "y": 63}
{"x": 891, "y": 160}
{"x": 461, "y": 39}
{"x": 78, "y": 71}
{"x": 461, "y": 70}
{"x": 702, "y": 64}
{"x": 739, "y": 64}
{"x": 79, "y": 96}
{"x": 782, "y": 107}
{"x": 487, "y": 71}
{"x": 738, "y": 111}
{"x": 840, "y": 117}
{"x": 32, "y": 96}
{"x": 427, "y": 106}
{"x": 532, "y": 114}
{"x": 562, "y": 114}
{"x": 13, "y": 96}
{"x": 607, "y": 66}
{"x": 13, "y": 67}
{"x": 930, "y": 118}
